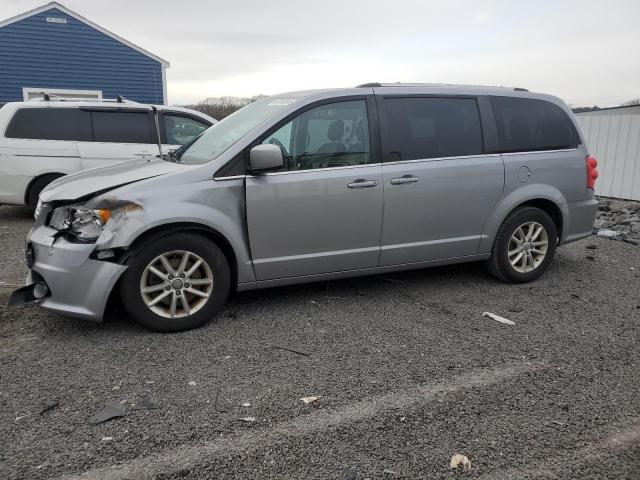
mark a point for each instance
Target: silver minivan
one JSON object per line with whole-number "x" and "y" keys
{"x": 317, "y": 185}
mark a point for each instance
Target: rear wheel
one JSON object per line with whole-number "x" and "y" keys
{"x": 37, "y": 187}
{"x": 177, "y": 283}
{"x": 524, "y": 246}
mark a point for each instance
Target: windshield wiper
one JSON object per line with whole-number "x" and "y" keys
{"x": 173, "y": 156}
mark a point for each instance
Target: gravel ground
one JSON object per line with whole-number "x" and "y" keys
{"x": 408, "y": 371}
{"x": 618, "y": 219}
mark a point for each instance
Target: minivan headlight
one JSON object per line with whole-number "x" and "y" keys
{"x": 81, "y": 222}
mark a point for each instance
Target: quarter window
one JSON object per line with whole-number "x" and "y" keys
{"x": 332, "y": 135}
{"x": 69, "y": 124}
{"x": 532, "y": 124}
{"x": 179, "y": 130}
{"x": 421, "y": 127}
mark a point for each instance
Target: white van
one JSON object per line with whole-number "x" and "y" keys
{"x": 45, "y": 139}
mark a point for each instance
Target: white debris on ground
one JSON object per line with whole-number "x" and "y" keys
{"x": 498, "y": 318}
{"x": 459, "y": 460}
{"x": 308, "y": 400}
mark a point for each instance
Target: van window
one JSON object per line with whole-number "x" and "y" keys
{"x": 50, "y": 124}
{"x": 428, "y": 127}
{"x": 179, "y": 130}
{"x": 331, "y": 135}
{"x": 122, "y": 127}
{"x": 532, "y": 124}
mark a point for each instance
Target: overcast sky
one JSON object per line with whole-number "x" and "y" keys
{"x": 587, "y": 52}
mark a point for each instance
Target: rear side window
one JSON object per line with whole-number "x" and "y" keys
{"x": 421, "y": 127}
{"x": 122, "y": 127}
{"x": 50, "y": 124}
{"x": 532, "y": 124}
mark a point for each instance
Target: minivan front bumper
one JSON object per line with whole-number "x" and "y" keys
{"x": 78, "y": 285}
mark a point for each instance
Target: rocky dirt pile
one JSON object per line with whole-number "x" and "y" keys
{"x": 618, "y": 220}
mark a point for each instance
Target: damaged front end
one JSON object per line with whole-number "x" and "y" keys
{"x": 86, "y": 222}
{"x": 29, "y": 293}
{"x": 68, "y": 271}
{"x": 80, "y": 222}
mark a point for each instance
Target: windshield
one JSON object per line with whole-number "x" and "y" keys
{"x": 219, "y": 137}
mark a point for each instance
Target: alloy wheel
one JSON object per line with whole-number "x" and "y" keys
{"x": 528, "y": 247}
{"x": 176, "y": 284}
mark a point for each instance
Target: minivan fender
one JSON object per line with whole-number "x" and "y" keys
{"x": 135, "y": 223}
{"x": 516, "y": 198}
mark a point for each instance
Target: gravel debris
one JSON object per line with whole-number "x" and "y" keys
{"x": 618, "y": 220}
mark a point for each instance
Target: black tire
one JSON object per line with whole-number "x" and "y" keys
{"x": 500, "y": 266}
{"x": 208, "y": 251}
{"x": 36, "y": 187}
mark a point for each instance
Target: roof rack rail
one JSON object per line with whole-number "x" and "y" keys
{"x": 50, "y": 96}
{"x": 401, "y": 84}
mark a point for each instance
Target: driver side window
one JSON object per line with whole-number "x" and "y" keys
{"x": 332, "y": 135}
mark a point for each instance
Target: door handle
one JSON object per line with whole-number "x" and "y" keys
{"x": 404, "y": 179}
{"x": 362, "y": 183}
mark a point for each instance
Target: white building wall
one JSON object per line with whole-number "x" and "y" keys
{"x": 613, "y": 137}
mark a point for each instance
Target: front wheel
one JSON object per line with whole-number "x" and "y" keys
{"x": 177, "y": 283}
{"x": 524, "y": 246}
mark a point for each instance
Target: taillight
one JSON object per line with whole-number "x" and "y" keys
{"x": 592, "y": 171}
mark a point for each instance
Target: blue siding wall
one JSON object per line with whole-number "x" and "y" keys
{"x": 73, "y": 55}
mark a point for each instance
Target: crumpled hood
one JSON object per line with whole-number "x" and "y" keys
{"x": 81, "y": 184}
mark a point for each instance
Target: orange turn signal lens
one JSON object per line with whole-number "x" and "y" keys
{"x": 104, "y": 214}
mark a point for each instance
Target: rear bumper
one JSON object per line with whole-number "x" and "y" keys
{"x": 79, "y": 286}
{"x": 582, "y": 214}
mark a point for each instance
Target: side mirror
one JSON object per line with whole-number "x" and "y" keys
{"x": 263, "y": 158}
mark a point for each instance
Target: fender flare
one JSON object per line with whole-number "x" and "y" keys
{"x": 534, "y": 194}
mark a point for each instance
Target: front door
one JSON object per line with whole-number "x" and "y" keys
{"x": 322, "y": 213}
{"x": 439, "y": 186}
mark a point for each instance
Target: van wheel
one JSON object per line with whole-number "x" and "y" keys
{"x": 524, "y": 246}
{"x": 176, "y": 283}
{"x": 37, "y": 187}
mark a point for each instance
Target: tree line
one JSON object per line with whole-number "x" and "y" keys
{"x": 220, "y": 107}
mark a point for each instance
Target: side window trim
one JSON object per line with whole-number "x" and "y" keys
{"x": 384, "y": 132}
{"x": 489, "y": 127}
